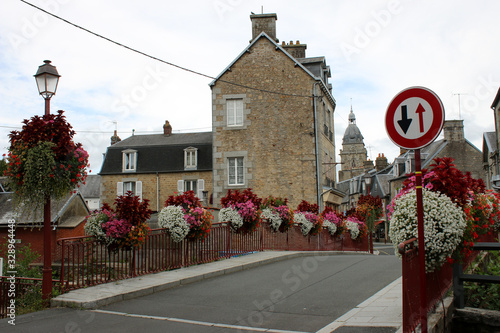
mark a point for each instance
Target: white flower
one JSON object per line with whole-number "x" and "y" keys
{"x": 444, "y": 225}
{"x": 273, "y": 218}
{"x": 305, "y": 224}
{"x": 332, "y": 227}
{"x": 172, "y": 218}
{"x": 231, "y": 215}
{"x": 353, "y": 228}
{"x": 93, "y": 227}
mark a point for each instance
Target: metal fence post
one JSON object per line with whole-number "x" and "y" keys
{"x": 458, "y": 286}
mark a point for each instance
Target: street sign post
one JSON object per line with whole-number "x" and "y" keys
{"x": 414, "y": 119}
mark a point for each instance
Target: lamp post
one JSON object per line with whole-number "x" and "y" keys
{"x": 368, "y": 181}
{"x": 46, "y": 80}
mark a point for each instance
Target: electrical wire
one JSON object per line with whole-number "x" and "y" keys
{"x": 161, "y": 60}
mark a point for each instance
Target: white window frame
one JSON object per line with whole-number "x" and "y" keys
{"x": 129, "y": 158}
{"x": 234, "y": 112}
{"x": 200, "y": 186}
{"x": 191, "y": 158}
{"x": 236, "y": 170}
{"x": 122, "y": 190}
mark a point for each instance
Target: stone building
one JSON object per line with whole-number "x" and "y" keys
{"x": 353, "y": 156}
{"x": 491, "y": 142}
{"x": 156, "y": 166}
{"x": 273, "y": 127}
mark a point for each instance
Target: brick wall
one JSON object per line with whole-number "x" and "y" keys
{"x": 34, "y": 238}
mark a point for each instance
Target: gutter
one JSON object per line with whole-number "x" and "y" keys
{"x": 316, "y": 148}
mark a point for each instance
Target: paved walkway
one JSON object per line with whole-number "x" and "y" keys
{"x": 382, "y": 310}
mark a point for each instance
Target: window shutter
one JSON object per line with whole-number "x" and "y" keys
{"x": 201, "y": 188}
{"x": 180, "y": 186}
{"x": 119, "y": 189}
{"x": 138, "y": 189}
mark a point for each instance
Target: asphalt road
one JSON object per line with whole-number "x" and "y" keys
{"x": 296, "y": 295}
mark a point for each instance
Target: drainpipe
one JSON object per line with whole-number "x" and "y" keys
{"x": 320, "y": 205}
{"x": 157, "y": 192}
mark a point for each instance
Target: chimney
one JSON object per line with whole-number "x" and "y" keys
{"x": 167, "y": 129}
{"x": 264, "y": 23}
{"x": 115, "y": 138}
{"x": 296, "y": 50}
{"x": 381, "y": 162}
{"x": 454, "y": 130}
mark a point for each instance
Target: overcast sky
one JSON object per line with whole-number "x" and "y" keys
{"x": 374, "y": 48}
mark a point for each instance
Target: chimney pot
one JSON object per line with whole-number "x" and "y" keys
{"x": 167, "y": 128}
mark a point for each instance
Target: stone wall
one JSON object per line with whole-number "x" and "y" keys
{"x": 277, "y": 139}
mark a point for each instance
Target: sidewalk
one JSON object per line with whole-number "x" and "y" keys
{"x": 384, "y": 309}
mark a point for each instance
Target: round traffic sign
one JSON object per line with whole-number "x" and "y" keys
{"x": 414, "y": 118}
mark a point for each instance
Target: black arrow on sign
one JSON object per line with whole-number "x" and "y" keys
{"x": 405, "y": 122}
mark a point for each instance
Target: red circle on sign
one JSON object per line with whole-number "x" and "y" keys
{"x": 437, "y": 122}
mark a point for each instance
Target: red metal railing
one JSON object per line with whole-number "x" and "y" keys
{"x": 86, "y": 262}
{"x": 17, "y": 288}
{"x": 438, "y": 283}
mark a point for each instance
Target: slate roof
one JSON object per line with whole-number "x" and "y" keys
{"x": 491, "y": 141}
{"x": 92, "y": 187}
{"x": 298, "y": 63}
{"x": 58, "y": 209}
{"x": 159, "y": 153}
{"x": 352, "y": 133}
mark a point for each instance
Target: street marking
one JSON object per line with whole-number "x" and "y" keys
{"x": 195, "y": 322}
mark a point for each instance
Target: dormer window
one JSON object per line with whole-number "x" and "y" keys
{"x": 129, "y": 160}
{"x": 190, "y": 158}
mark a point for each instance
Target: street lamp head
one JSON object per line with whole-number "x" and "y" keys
{"x": 47, "y": 78}
{"x": 368, "y": 180}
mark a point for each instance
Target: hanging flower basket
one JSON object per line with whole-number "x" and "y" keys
{"x": 43, "y": 161}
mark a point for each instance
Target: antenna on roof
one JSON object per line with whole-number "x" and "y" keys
{"x": 116, "y": 124}
{"x": 459, "y": 110}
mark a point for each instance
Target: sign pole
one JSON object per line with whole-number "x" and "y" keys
{"x": 421, "y": 243}
{"x": 413, "y": 120}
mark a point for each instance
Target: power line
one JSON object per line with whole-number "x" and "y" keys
{"x": 161, "y": 60}
{"x": 122, "y": 132}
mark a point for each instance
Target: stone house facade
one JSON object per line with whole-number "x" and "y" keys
{"x": 272, "y": 123}
{"x": 156, "y": 166}
{"x": 491, "y": 142}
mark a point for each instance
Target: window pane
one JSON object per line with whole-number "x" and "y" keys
{"x": 230, "y": 113}
{"x": 129, "y": 186}
{"x": 239, "y": 170}
{"x": 239, "y": 111}
{"x": 232, "y": 175}
{"x": 234, "y": 112}
{"x": 127, "y": 161}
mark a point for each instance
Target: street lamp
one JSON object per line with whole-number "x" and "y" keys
{"x": 46, "y": 80}
{"x": 368, "y": 181}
